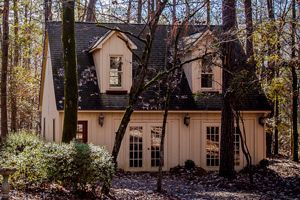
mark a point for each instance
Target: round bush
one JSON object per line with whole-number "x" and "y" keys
{"x": 78, "y": 165}
{"x": 189, "y": 164}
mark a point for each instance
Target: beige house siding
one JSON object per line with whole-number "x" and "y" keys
{"x": 48, "y": 107}
{"x": 182, "y": 142}
{"x": 192, "y": 70}
{"x": 114, "y": 46}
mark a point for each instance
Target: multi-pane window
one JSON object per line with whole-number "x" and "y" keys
{"x": 136, "y": 146}
{"x": 212, "y": 146}
{"x": 79, "y": 134}
{"x": 155, "y": 145}
{"x": 236, "y": 143}
{"x": 116, "y": 71}
{"x": 206, "y": 76}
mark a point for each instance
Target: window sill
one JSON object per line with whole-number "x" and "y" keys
{"x": 116, "y": 91}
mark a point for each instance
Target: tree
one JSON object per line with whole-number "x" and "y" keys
{"x": 13, "y": 100}
{"x": 208, "y": 12}
{"x": 274, "y": 73}
{"x": 90, "y": 13}
{"x": 70, "y": 68}
{"x": 249, "y": 30}
{"x": 5, "y": 46}
{"x": 139, "y": 11}
{"x": 295, "y": 93}
{"x": 228, "y": 61}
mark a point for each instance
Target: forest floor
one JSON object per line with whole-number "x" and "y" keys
{"x": 279, "y": 180}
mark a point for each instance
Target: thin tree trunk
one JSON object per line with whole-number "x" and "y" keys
{"x": 174, "y": 15}
{"x": 5, "y": 45}
{"x": 14, "y": 108}
{"x": 208, "y": 12}
{"x": 70, "y": 68}
{"x": 48, "y": 10}
{"x": 162, "y": 141}
{"x": 91, "y": 9}
{"x": 227, "y": 120}
{"x": 274, "y": 73}
{"x": 139, "y": 11}
{"x": 249, "y": 29}
{"x": 129, "y": 11}
{"x": 295, "y": 136}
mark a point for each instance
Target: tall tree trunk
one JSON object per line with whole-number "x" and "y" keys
{"x": 275, "y": 73}
{"x": 5, "y": 45}
{"x": 91, "y": 9}
{"x": 139, "y": 11}
{"x": 208, "y": 10}
{"x": 129, "y": 11}
{"x": 13, "y": 86}
{"x": 70, "y": 68}
{"x": 228, "y": 60}
{"x": 249, "y": 29}
{"x": 295, "y": 135}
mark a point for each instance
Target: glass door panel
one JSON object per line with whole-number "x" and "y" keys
{"x": 155, "y": 145}
{"x": 135, "y": 146}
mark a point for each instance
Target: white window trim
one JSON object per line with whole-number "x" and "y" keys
{"x": 122, "y": 76}
{"x": 213, "y": 168}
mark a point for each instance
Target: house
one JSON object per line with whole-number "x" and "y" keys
{"x": 105, "y": 69}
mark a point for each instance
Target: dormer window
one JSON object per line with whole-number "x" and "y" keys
{"x": 206, "y": 77}
{"x": 115, "y": 72}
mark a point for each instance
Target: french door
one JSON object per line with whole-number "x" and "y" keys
{"x": 143, "y": 146}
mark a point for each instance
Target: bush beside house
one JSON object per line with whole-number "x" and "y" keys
{"x": 73, "y": 165}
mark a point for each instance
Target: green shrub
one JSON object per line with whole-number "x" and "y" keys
{"x": 24, "y": 151}
{"x": 189, "y": 164}
{"x": 73, "y": 164}
{"x": 78, "y": 165}
{"x": 17, "y": 142}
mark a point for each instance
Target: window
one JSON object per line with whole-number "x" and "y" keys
{"x": 136, "y": 146}
{"x": 115, "y": 72}
{"x": 81, "y": 135}
{"x": 155, "y": 145}
{"x": 212, "y": 146}
{"x": 206, "y": 76}
{"x": 236, "y": 144}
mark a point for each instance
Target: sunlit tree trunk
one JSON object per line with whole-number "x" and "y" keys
{"x": 228, "y": 60}
{"x": 5, "y": 45}
{"x": 70, "y": 68}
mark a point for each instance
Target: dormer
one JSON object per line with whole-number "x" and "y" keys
{"x": 203, "y": 75}
{"x": 112, "y": 55}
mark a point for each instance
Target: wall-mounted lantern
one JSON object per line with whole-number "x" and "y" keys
{"x": 262, "y": 120}
{"x": 101, "y": 120}
{"x": 187, "y": 119}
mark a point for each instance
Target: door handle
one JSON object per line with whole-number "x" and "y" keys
{"x": 148, "y": 148}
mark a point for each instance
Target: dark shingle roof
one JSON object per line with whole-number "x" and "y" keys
{"x": 89, "y": 95}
